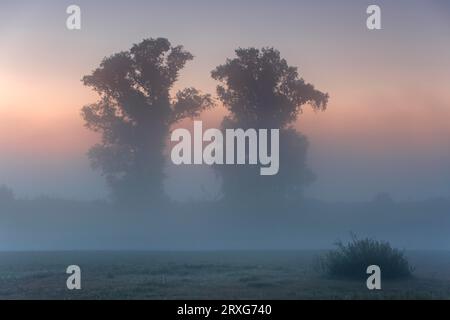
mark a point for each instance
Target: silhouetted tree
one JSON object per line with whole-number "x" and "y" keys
{"x": 260, "y": 90}
{"x": 134, "y": 115}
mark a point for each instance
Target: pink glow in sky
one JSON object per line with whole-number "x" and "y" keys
{"x": 390, "y": 97}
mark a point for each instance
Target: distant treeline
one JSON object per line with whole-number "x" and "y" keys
{"x": 48, "y": 223}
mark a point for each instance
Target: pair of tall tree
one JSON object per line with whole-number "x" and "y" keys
{"x": 136, "y": 111}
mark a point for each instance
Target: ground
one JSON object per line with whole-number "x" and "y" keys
{"x": 206, "y": 275}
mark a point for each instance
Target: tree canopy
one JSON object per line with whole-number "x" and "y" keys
{"x": 260, "y": 90}
{"x": 134, "y": 114}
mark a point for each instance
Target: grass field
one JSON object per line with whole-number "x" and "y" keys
{"x": 206, "y": 275}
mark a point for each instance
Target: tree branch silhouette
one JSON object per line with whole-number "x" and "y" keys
{"x": 134, "y": 115}
{"x": 260, "y": 90}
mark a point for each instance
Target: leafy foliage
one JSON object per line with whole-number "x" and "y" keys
{"x": 352, "y": 259}
{"x": 260, "y": 90}
{"x": 134, "y": 115}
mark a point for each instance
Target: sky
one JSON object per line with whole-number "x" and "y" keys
{"x": 386, "y": 128}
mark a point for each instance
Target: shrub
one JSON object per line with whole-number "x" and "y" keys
{"x": 352, "y": 259}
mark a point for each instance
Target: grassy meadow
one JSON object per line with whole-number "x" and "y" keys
{"x": 207, "y": 275}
